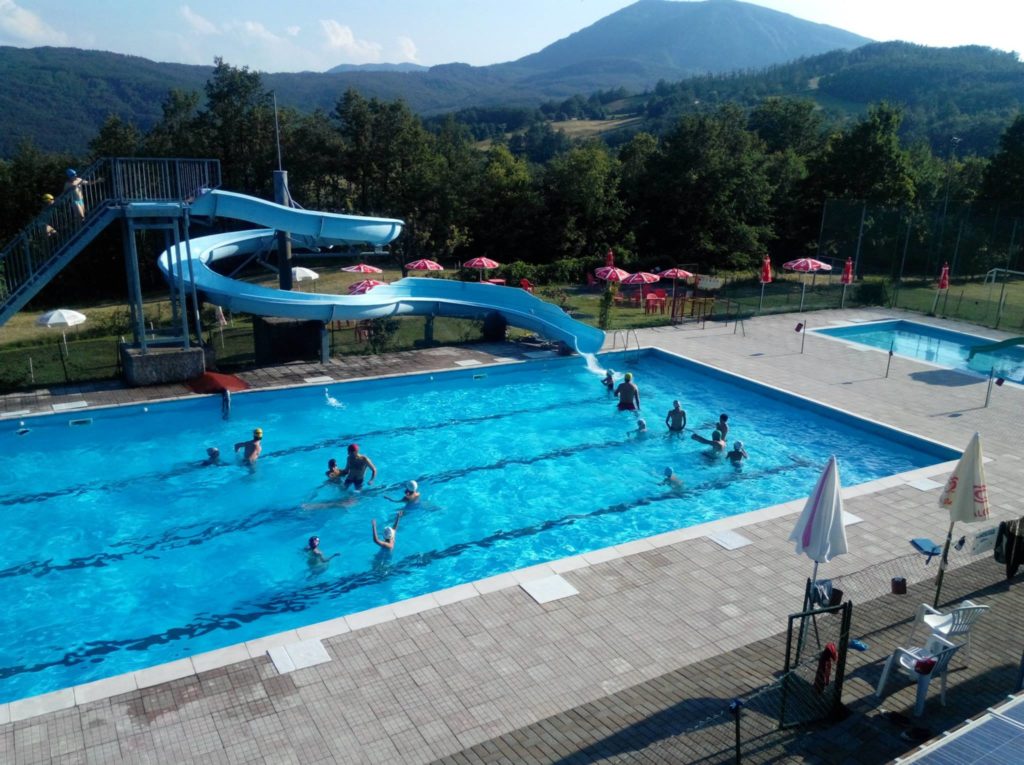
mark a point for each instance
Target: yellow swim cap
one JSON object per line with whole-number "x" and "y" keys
{"x": 258, "y": 433}
{"x": 629, "y": 376}
{"x": 47, "y": 197}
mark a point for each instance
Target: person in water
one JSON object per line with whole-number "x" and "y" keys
{"x": 252, "y": 447}
{"x": 629, "y": 394}
{"x": 641, "y": 429}
{"x": 609, "y": 381}
{"x": 315, "y": 555}
{"x": 738, "y": 453}
{"x": 333, "y": 471}
{"x": 716, "y": 442}
{"x": 411, "y": 496}
{"x": 723, "y": 425}
{"x": 676, "y": 418}
{"x": 356, "y": 467}
{"x": 673, "y": 481}
{"x": 212, "y": 457}
{"x": 387, "y": 542}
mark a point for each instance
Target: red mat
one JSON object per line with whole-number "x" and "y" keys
{"x": 215, "y": 382}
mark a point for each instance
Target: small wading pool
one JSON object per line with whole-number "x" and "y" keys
{"x": 942, "y": 347}
{"x": 118, "y": 551}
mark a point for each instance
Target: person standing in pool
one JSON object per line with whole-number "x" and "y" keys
{"x": 673, "y": 481}
{"x": 738, "y": 454}
{"x": 333, "y": 471}
{"x": 629, "y": 394}
{"x": 390, "y": 533}
{"x": 253, "y": 447}
{"x": 609, "y": 381}
{"x": 314, "y": 554}
{"x": 723, "y": 426}
{"x": 716, "y": 442}
{"x": 356, "y": 467}
{"x": 676, "y": 418}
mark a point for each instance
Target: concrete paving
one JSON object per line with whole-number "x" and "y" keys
{"x": 483, "y": 672}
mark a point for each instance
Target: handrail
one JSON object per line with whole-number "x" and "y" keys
{"x": 110, "y": 182}
{"x": 625, "y": 343}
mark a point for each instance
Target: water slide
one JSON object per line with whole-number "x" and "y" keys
{"x": 406, "y": 297}
{"x": 988, "y": 348}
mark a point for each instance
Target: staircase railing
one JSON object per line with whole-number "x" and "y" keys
{"x": 64, "y": 227}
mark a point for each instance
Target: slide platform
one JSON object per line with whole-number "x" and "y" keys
{"x": 406, "y": 297}
{"x": 995, "y": 346}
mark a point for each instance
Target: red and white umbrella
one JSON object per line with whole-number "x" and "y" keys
{"x": 675, "y": 274}
{"x": 481, "y": 264}
{"x": 424, "y": 265}
{"x": 363, "y": 268}
{"x": 806, "y": 266}
{"x": 765, "y": 278}
{"x": 641, "y": 277}
{"x": 943, "y": 285}
{"x": 846, "y": 279}
{"x": 609, "y": 258}
{"x": 611, "y": 274}
{"x": 361, "y": 288}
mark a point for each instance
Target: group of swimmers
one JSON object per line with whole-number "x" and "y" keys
{"x": 628, "y": 395}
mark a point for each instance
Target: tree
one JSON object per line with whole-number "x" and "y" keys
{"x": 788, "y": 124}
{"x": 177, "y": 134}
{"x": 116, "y": 138}
{"x": 1004, "y": 177}
{"x": 506, "y": 207}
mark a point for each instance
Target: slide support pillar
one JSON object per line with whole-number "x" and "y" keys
{"x": 325, "y": 344}
{"x": 428, "y": 330}
{"x": 284, "y": 239}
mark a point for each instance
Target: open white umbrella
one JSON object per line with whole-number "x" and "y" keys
{"x": 63, "y": 318}
{"x": 965, "y": 496}
{"x": 819, "y": 532}
{"x": 301, "y": 274}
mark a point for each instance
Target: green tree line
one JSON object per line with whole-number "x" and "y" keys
{"x": 720, "y": 188}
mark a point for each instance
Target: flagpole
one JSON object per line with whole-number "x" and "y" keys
{"x": 942, "y": 564}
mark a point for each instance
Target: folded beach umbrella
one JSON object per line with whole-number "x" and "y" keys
{"x": 819, "y": 532}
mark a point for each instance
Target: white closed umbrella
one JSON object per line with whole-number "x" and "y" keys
{"x": 301, "y": 274}
{"x": 63, "y": 318}
{"x": 819, "y": 532}
{"x": 965, "y": 497}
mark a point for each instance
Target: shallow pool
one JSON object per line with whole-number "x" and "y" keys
{"x": 119, "y": 551}
{"x": 942, "y": 347}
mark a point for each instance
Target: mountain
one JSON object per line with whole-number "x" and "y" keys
{"x": 59, "y": 97}
{"x": 403, "y": 67}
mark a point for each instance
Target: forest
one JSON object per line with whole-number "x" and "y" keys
{"x": 719, "y": 188}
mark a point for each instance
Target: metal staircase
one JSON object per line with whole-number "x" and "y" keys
{"x": 113, "y": 188}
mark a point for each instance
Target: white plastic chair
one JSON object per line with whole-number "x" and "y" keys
{"x": 904, "y": 659}
{"x": 956, "y": 624}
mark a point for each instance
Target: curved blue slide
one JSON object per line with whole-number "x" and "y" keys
{"x": 406, "y": 297}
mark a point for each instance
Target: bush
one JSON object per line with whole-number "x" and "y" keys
{"x": 607, "y": 300}
{"x": 872, "y": 293}
{"x": 382, "y": 333}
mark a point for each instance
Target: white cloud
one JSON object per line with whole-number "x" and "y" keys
{"x": 408, "y": 49}
{"x": 340, "y": 38}
{"x": 22, "y": 26}
{"x": 254, "y": 30}
{"x": 199, "y": 24}
{"x": 293, "y": 31}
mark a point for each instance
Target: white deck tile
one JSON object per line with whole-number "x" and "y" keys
{"x": 730, "y": 540}
{"x": 924, "y": 484}
{"x": 549, "y": 588}
{"x": 105, "y": 688}
{"x": 40, "y": 705}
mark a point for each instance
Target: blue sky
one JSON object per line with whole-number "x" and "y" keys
{"x": 318, "y": 34}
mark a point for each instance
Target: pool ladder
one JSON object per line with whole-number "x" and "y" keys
{"x": 625, "y": 333}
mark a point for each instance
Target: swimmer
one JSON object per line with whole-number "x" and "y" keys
{"x": 333, "y": 471}
{"x": 641, "y": 429}
{"x": 212, "y": 457}
{"x": 356, "y": 467}
{"x": 716, "y": 442}
{"x": 674, "y": 482}
{"x": 738, "y": 453}
{"x": 253, "y": 447}
{"x": 314, "y": 555}
{"x": 609, "y": 381}
{"x": 676, "y": 418}
{"x": 390, "y": 533}
{"x": 723, "y": 425}
{"x": 629, "y": 394}
{"x": 411, "y": 496}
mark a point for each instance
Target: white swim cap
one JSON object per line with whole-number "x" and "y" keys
{"x": 668, "y": 471}
{"x": 389, "y": 533}
{"x": 642, "y": 423}
{"x": 411, "y": 486}
{"x": 738, "y": 446}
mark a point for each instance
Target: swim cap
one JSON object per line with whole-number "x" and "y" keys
{"x": 71, "y": 173}
{"x": 257, "y": 433}
{"x": 313, "y": 542}
{"x": 629, "y": 376}
{"x": 411, "y": 486}
{"x": 716, "y": 436}
{"x": 213, "y": 450}
{"x": 668, "y": 471}
{"x": 353, "y": 447}
{"x": 723, "y": 417}
{"x": 738, "y": 446}
{"x": 47, "y": 197}
{"x": 676, "y": 403}
{"x": 389, "y": 533}
{"x": 641, "y": 424}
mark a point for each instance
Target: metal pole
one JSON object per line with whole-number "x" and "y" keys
{"x": 889, "y": 362}
{"x": 860, "y": 238}
{"x": 1006, "y": 274}
{"x": 991, "y": 379}
{"x": 277, "y": 134}
{"x": 284, "y": 239}
{"x": 803, "y": 339}
{"x": 760, "y": 303}
{"x": 735, "y": 706}
{"x": 942, "y": 564}
{"x": 803, "y": 289}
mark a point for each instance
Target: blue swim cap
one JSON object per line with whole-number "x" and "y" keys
{"x": 71, "y": 173}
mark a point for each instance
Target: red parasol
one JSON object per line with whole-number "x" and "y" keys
{"x": 609, "y": 259}
{"x": 362, "y": 268}
{"x": 766, "y": 271}
{"x": 847, "y": 277}
{"x": 611, "y": 274}
{"x": 944, "y": 277}
{"x": 675, "y": 273}
{"x": 481, "y": 264}
{"x": 361, "y": 288}
{"x": 641, "y": 277}
{"x": 424, "y": 265}
{"x": 806, "y": 265}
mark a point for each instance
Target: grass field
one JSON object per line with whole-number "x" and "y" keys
{"x": 590, "y": 128}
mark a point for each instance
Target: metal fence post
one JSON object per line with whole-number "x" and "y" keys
{"x": 734, "y": 707}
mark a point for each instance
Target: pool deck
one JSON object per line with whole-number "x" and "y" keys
{"x": 662, "y": 633}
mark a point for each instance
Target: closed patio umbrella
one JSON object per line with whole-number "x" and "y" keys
{"x": 819, "y": 532}
{"x": 846, "y": 279}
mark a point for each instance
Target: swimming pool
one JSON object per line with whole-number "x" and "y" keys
{"x": 120, "y": 552}
{"x": 942, "y": 347}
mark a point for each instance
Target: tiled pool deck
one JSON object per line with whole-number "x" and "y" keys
{"x": 660, "y": 633}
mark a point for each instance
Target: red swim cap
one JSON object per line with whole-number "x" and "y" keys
{"x": 353, "y": 447}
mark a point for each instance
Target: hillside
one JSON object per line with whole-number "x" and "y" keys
{"x": 60, "y": 96}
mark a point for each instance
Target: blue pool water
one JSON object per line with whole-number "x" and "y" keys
{"x": 118, "y": 551}
{"x": 942, "y": 347}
